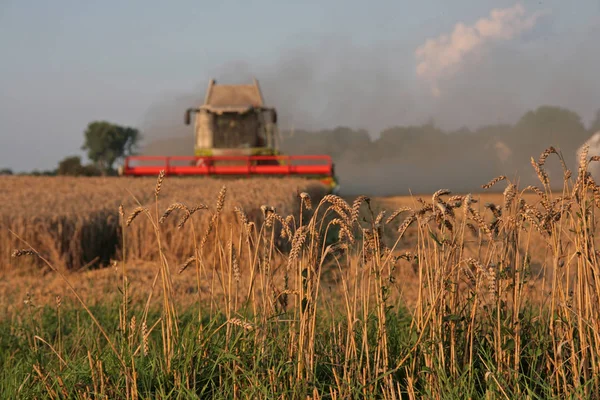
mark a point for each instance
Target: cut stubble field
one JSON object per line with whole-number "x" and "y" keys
{"x": 275, "y": 289}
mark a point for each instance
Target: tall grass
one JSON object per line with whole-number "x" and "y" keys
{"x": 322, "y": 315}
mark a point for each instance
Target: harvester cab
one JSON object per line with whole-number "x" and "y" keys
{"x": 234, "y": 121}
{"x": 235, "y": 134}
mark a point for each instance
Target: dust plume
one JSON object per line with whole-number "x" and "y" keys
{"x": 334, "y": 83}
{"x": 487, "y": 73}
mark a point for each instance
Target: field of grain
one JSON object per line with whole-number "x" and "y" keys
{"x": 75, "y": 222}
{"x": 489, "y": 295}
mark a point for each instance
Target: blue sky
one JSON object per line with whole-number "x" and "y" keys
{"x": 66, "y": 63}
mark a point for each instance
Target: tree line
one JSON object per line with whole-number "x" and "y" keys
{"x": 489, "y": 149}
{"x": 529, "y": 136}
{"x": 423, "y": 157}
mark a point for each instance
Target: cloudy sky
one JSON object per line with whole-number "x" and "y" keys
{"x": 322, "y": 63}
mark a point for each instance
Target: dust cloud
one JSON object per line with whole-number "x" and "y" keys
{"x": 312, "y": 88}
{"x": 483, "y": 73}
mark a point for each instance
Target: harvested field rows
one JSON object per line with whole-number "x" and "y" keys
{"x": 75, "y": 222}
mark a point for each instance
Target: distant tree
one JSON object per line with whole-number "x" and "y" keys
{"x": 6, "y": 171}
{"x": 90, "y": 170}
{"x": 548, "y": 126}
{"x": 411, "y": 143}
{"x": 70, "y": 166}
{"x": 339, "y": 142}
{"x": 37, "y": 172}
{"x": 106, "y": 143}
{"x": 497, "y": 131}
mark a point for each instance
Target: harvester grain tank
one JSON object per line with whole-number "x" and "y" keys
{"x": 235, "y": 134}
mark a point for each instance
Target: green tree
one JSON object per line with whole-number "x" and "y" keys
{"x": 70, "y": 166}
{"x": 37, "y": 172}
{"x": 90, "y": 170}
{"x": 106, "y": 143}
{"x": 339, "y": 142}
{"x": 6, "y": 171}
{"x": 548, "y": 126}
{"x": 410, "y": 143}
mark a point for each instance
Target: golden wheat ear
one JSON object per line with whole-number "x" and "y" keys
{"x": 159, "y": 182}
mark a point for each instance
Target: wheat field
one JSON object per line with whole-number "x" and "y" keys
{"x": 315, "y": 296}
{"x": 76, "y": 224}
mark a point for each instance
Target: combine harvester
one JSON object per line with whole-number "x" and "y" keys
{"x": 235, "y": 136}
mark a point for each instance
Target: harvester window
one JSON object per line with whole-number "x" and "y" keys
{"x": 233, "y": 130}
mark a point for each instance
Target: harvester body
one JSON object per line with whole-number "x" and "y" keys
{"x": 235, "y": 134}
{"x": 234, "y": 121}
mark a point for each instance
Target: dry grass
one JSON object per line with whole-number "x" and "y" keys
{"x": 506, "y": 300}
{"x": 75, "y": 222}
{"x": 98, "y": 285}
